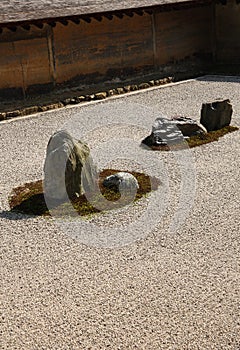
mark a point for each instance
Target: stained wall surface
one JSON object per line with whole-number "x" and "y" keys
{"x": 180, "y": 34}
{"x": 40, "y": 59}
{"x": 24, "y": 61}
{"x": 228, "y": 32}
{"x": 103, "y": 47}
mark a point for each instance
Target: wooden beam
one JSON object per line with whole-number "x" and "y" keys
{"x": 13, "y": 29}
{"x": 52, "y": 60}
{"x": 52, "y": 24}
{"x": 64, "y": 22}
{"x": 214, "y": 34}
{"x": 98, "y": 17}
{"x": 75, "y": 20}
{"x": 119, "y": 15}
{"x": 138, "y": 12}
{"x": 153, "y": 20}
{"x": 108, "y": 16}
{"x": 129, "y": 13}
{"x": 86, "y": 19}
{"x": 39, "y": 25}
{"x": 26, "y": 27}
{"x": 149, "y": 12}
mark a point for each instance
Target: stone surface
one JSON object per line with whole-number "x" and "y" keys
{"x": 111, "y": 92}
{"x": 68, "y": 168}
{"x": 13, "y": 114}
{"x": 120, "y": 90}
{"x": 165, "y": 80}
{"x": 66, "y": 101}
{"x": 134, "y": 87}
{"x": 51, "y": 106}
{"x": 30, "y": 110}
{"x": 127, "y": 88}
{"x": 121, "y": 180}
{"x": 81, "y": 98}
{"x": 100, "y": 95}
{"x": 188, "y": 126}
{"x": 74, "y": 100}
{"x": 90, "y": 97}
{"x": 2, "y": 116}
{"x": 216, "y": 115}
{"x": 144, "y": 86}
{"x": 172, "y": 131}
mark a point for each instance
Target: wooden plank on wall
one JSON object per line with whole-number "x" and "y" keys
{"x": 24, "y": 63}
{"x": 228, "y": 33}
{"x": 11, "y": 71}
{"x": 98, "y": 47}
{"x": 34, "y": 55}
{"x": 182, "y": 33}
{"x": 21, "y": 34}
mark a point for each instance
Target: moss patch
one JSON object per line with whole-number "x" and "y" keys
{"x": 212, "y": 136}
{"x": 198, "y": 140}
{"x": 29, "y": 198}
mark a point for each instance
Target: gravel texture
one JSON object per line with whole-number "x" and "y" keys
{"x": 165, "y": 291}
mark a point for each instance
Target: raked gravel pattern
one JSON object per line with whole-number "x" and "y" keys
{"x": 164, "y": 291}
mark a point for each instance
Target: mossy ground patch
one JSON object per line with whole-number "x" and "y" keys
{"x": 29, "y": 198}
{"x": 197, "y": 140}
{"x": 212, "y": 136}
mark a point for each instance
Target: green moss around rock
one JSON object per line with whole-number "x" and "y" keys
{"x": 29, "y": 198}
{"x": 212, "y": 136}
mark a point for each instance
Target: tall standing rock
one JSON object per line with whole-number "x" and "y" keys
{"x": 216, "y": 115}
{"x": 68, "y": 168}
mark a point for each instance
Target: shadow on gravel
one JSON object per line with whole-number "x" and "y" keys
{"x": 14, "y": 216}
{"x": 220, "y": 78}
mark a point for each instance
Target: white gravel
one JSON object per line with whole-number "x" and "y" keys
{"x": 165, "y": 291}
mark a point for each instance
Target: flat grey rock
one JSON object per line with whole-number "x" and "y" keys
{"x": 172, "y": 131}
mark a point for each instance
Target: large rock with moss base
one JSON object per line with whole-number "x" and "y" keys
{"x": 216, "y": 115}
{"x": 172, "y": 131}
{"x": 68, "y": 168}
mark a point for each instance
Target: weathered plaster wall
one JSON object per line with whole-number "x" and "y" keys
{"x": 182, "y": 34}
{"x": 104, "y": 48}
{"x": 24, "y": 61}
{"x": 228, "y": 32}
{"x": 88, "y": 52}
